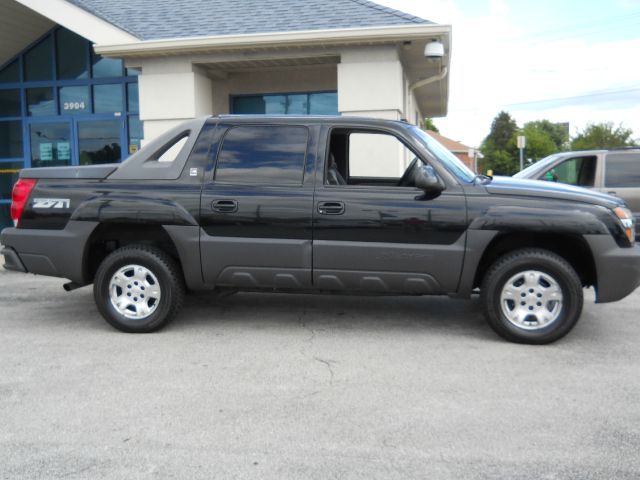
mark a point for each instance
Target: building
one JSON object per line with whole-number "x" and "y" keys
{"x": 87, "y": 81}
{"x": 469, "y": 155}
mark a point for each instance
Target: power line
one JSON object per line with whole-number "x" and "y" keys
{"x": 576, "y": 97}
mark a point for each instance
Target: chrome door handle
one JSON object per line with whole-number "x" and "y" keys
{"x": 224, "y": 206}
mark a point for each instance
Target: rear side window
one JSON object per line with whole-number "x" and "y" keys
{"x": 269, "y": 154}
{"x": 622, "y": 170}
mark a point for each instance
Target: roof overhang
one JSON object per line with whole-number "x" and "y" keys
{"x": 410, "y": 40}
{"x": 79, "y": 21}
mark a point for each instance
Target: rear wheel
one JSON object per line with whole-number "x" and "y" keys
{"x": 532, "y": 296}
{"x": 138, "y": 289}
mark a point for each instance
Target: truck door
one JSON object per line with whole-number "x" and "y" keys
{"x": 256, "y": 207}
{"x": 373, "y": 229}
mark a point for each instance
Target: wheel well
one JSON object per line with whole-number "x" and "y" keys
{"x": 572, "y": 248}
{"x": 108, "y": 237}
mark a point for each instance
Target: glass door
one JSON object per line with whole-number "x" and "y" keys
{"x": 50, "y": 143}
{"x": 100, "y": 140}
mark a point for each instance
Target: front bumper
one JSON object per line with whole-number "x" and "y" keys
{"x": 55, "y": 253}
{"x": 618, "y": 269}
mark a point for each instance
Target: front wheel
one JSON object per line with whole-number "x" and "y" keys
{"x": 138, "y": 289}
{"x": 532, "y": 296}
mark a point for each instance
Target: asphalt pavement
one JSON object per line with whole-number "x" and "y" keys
{"x": 280, "y": 387}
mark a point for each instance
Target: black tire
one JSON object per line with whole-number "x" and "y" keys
{"x": 169, "y": 279}
{"x": 510, "y": 265}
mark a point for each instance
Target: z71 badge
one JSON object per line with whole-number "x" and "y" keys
{"x": 51, "y": 203}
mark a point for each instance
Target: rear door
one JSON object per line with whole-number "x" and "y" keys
{"x": 256, "y": 207}
{"x": 622, "y": 178}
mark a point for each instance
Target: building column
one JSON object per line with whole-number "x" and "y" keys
{"x": 371, "y": 83}
{"x": 171, "y": 91}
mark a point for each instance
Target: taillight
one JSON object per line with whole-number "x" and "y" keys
{"x": 19, "y": 196}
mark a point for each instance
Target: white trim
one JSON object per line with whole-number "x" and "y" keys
{"x": 79, "y": 21}
{"x": 274, "y": 39}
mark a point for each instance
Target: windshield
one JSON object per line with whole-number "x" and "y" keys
{"x": 531, "y": 170}
{"x": 448, "y": 159}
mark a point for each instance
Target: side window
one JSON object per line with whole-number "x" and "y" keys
{"x": 366, "y": 158}
{"x": 258, "y": 155}
{"x": 622, "y": 170}
{"x": 580, "y": 171}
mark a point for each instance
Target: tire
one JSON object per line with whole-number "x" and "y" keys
{"x": 147, "y": 280}
{"x": 532, "y": 296}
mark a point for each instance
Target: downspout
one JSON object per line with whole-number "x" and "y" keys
{"x": 427, "y": 81}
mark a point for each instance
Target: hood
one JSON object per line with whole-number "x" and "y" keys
{"x": 558, "y": 191}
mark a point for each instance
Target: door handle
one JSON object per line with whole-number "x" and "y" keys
{"x": 331, "y": 208}
{"x": 224, "y": 206}
{"x": 612, "y": 192}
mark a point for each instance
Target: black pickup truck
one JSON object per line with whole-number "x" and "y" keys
{"x": 318, "y": 204}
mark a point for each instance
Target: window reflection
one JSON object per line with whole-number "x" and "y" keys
{"x": 40, "y": 102}
{"x": 263, "y": 155}
{"x": 107, "y": 98}
{"x": 50, "y": 144}
{"x": 99, "y": 142}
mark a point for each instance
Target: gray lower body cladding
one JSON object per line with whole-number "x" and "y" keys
{"x": 618, "y": 269}
{"x": 54, "y": 253}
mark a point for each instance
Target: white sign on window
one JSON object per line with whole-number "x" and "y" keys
{"x": 64, "y": 151}
{"x": 46, "y": 152}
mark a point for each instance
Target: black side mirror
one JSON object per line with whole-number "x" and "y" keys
{"x": 427, "y": 180}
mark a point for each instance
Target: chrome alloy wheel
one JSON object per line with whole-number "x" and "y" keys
{"x": 134, "y": 292}
{"x": 531, "y": 300}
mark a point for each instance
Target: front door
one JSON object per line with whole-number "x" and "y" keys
{"x": 256, "y": 209}
{"x": 374, "y": 230}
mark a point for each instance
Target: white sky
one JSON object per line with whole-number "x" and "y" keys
{"x": 571, "y": 61}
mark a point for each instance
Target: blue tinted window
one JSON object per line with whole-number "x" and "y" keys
{"x": 106, "y": 67}
{"x": 133, "y": 103}
{"x": 107, "y": 98}
{"x": 11, "y": 139}
{"x": 272, "y": 155}
{"x": 40, "y": 102}
{"x": 74, "y": 100}
{"x": 38, "y": 64}
{"x": 297, "y": 104}
{"x": 135, "y": 134}
{"x": 10, "y": 73}
{"x": 10, "y": 103}
{"x": 289, "y": 104}
{"x": 99, "y": 141}
{"x": 323, "y": 104}
{"x": 50, "y": 144}
{"x": 71, "y": 55}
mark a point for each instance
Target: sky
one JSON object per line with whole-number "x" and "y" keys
{"x": 563, "y": 60}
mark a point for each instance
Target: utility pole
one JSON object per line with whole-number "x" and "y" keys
{"x": 522, "y": 142}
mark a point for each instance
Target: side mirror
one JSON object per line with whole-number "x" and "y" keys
{"x": 427, "y": 180}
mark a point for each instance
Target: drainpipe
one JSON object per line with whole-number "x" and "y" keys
{"x": 427, "y": 81}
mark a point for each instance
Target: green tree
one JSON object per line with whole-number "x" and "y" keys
{"x": 540, "y": 142}
{"x": 603, "y": 136}
{"x": 558, "y": 132}
{"x": 429, "y": 125}
{"x": 499, "y": 148}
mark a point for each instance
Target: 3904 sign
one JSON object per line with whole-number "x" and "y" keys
{"x": 73, "y": 106}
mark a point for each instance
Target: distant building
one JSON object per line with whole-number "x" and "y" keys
{"x": 460, "y": 150}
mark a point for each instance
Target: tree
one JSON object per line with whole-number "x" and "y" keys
{"x": 540, "y": 141}
{"x": 557, "y": 132}
{"x": 603, "y": 136}
{"x": 499, "y": 148}
{"x": 429, "y": 125}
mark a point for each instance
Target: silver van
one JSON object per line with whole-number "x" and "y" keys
{"x": 616, "y": 172}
